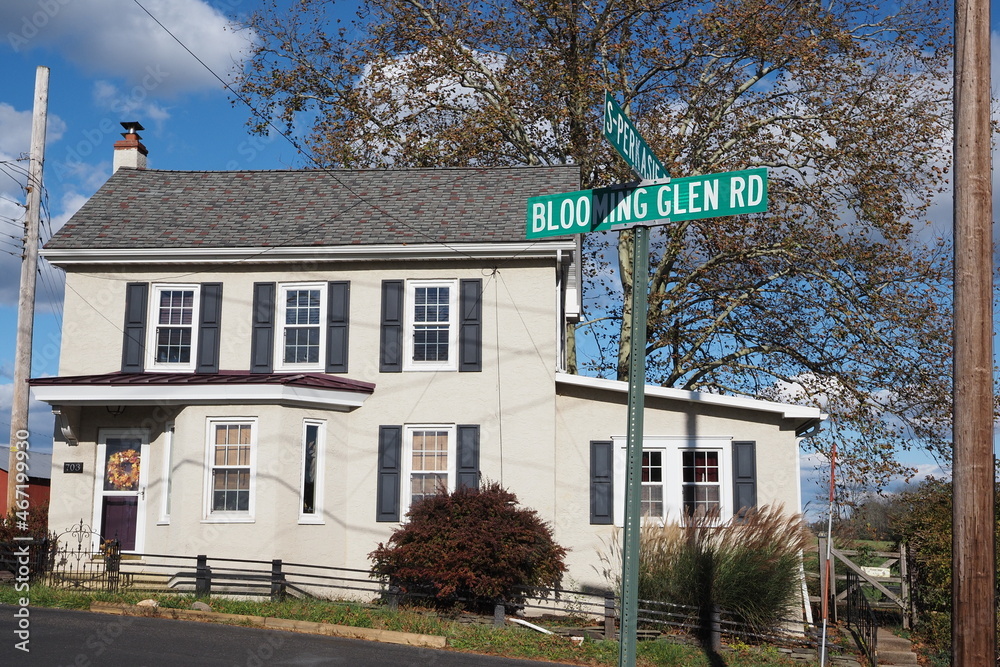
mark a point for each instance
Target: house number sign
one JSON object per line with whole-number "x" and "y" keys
{"x": 73, "y": 466}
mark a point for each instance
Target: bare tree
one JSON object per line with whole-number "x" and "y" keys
{"x": 829, "y": 297}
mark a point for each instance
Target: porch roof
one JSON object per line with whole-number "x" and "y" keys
{"x": 227, "y": 387}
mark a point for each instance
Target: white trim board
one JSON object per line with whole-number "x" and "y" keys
{"x": 784, "y": 409}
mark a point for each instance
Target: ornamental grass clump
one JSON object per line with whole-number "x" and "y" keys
{"x": 473, "y": 546}
{"x": 748, "y": 567}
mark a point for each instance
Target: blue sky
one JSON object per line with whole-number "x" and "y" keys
{"x": 110, "y": 62}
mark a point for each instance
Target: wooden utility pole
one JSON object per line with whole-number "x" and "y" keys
{"x": 19, "y": 440}
{"x": 973, "y": 573}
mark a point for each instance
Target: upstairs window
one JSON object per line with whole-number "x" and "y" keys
{"x": 302, "y": 335}
{"x": 173, "y": 334}
{"x": 431, "y": 328}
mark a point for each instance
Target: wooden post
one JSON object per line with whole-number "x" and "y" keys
{"x": 277, "y": 581}
{"x": 609, "y": 616}
{"x": 824, "y": 586}
{"x": 833, "y": 581}
{"x": 904, "y": 586}
{"x": 19, "y": 441}
{"x": 973, "y": 573}
{"x": 203, "y": 578}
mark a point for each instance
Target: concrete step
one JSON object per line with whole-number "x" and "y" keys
{"x": 897, "y": 657}
{"x": 894, "y": 651}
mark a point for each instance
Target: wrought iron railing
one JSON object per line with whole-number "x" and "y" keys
{"x": 81, "y": 559}
{"x": 861, "y": 618}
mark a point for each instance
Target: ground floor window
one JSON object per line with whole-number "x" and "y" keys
{"x": 231, "y": 458}
{"x": 311, "y": 495}
{"x": 681, "y": 477}
{"x": 429, "y": 454}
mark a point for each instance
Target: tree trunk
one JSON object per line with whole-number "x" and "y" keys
{"x": 626, "y": 240}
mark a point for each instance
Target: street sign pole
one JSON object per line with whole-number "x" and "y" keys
{"x": 655, "y": 200}
{"x": 633, "y": 447}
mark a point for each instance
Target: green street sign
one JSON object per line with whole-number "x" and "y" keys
{"x": 624, "y": 136}
{"x": 688, "y": 198}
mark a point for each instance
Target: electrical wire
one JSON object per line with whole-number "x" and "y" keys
{"x": 332, "y": 173}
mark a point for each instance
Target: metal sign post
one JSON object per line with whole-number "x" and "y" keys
{"x": 633, "y": 447}
{"x": 656, "y": 200}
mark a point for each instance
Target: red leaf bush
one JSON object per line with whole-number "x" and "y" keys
{"x": 472, "y": 545}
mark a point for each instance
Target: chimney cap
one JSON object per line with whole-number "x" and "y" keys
{"x": 131, "y": 127}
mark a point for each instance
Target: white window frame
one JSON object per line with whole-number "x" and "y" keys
{"x": 153, "y": 323}
{"x": 316, "y": 516}
{"x": 451, "y": 364}
{"x": 406, "y": 493}
{"x": 279, "y": 339}
{"x": 221, "y": 516}
{"x": 672, "y": 448}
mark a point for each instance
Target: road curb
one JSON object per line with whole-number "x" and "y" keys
{"x": 309, "y": 627}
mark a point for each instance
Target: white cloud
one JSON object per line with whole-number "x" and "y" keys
{"x": 134, "y": 103}
{"x": 40, "y": 420}
{"x": 15, "y": 132}
{"x": 118, "y": 39}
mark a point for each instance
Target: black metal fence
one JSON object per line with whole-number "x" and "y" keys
{"x": 85, "y": 561}
{"x": 26, "y": 559}
{"x": 76, "y": 558}
{"x": 861, "y": 618}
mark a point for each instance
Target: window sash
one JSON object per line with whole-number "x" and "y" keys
{"x": 701, "y": 490}
{"x": 679, "y": 477}
{"x": 432, "y": 325}
{"x": 311, "y": 473}
{"x": 651, "y": 492}
{"x": 172, "y": 338}
{"x": 429, "y": 459}
{"x": 231, "y": 454}
{"x": 301, "y": 340}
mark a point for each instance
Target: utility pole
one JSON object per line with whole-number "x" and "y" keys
{"x": 26, "y": 300}
{"x": 973, "y": 573}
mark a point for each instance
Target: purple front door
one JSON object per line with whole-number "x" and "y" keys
{"x": 120, "y": 505}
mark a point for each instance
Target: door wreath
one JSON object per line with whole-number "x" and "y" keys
{"x": 123, "y": 470}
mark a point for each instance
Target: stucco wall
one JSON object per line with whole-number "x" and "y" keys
{"x": 584, "y": 414}
{"x": 511, "y": 400}
{"x": 533, "y": 441}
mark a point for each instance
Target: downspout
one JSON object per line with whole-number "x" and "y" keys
{"x": 560, "y": 316}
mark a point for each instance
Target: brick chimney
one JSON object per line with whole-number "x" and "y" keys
{"x": 129, "y": 152}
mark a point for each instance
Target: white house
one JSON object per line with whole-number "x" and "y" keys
{"x": 279, "y": 363}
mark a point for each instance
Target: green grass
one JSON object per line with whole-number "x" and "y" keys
{"x": 512, "y": 642}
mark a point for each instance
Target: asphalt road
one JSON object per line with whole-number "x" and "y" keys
{"x": 64, "y": 638}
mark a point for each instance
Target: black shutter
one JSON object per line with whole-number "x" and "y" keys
{"x": 262, "y": 335}
{"x": 134, "y": 341}
{"x": 338, "y": 321}
{"x": 744, "y": 477}
{"x": 390, "y": 450}
{"x": 391, "y": 337}
{"x": 602, "y": 486}
{"x": 467, "y": 466}
{"x": 209, "y": 328}
{"x": 470, "y": 332}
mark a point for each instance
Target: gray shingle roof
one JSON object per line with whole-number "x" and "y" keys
{"x": 145, "y": 208}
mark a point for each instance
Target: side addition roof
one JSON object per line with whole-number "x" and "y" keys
{"x": 147, "y": 209}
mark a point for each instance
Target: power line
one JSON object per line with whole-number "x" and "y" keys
{"x": 308, "y": 156}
